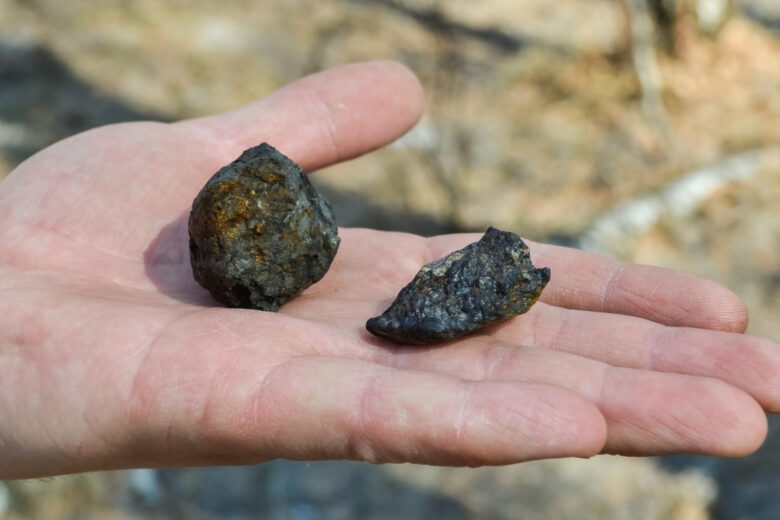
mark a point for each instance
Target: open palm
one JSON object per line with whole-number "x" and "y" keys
{"x": 112, "y": 356}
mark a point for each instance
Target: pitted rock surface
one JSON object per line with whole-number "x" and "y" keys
{"x": 259, "y": 231}
{"x": 485, "y": 282}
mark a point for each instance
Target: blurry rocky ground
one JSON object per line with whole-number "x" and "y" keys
{"x": 534, "y": 123}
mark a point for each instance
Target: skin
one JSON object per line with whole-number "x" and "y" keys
{"x": 113, "y": 357}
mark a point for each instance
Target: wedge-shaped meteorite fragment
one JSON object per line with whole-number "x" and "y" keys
{"x": 485, "y": 282}
{"x": 259, "y": 232}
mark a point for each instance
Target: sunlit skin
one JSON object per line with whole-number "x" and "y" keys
{"x": 111, "y": 356}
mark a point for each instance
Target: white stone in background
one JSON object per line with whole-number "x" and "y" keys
{"x": 613, "y": 231}
{"x": 146, "y": 486}
{"x": 711, "y": 13}
{"x": 422, "y": 137}
{"x": 223, "y": 35}
{"x": 12, "y": 134}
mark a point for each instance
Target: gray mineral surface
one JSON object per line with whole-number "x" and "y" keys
{"x": 485, "y": 282}
{"x": 259, "y": 232}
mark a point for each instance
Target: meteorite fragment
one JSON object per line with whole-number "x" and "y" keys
{"x": 485, "y": 282}
{"x": 259, "y": 232}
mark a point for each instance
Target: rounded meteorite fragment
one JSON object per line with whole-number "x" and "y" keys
{"x": 259, "y": 232}
{"x": 485, "y": 282}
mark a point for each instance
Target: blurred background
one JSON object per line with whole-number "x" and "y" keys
{"x": 647, "y": 130}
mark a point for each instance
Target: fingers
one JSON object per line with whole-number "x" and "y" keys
{"x": 593, "y": 282}
{"x": 214, "y": 391}
{"x": 647, "y": 413}
{"x": 657, "y": 409}
{"x": 581, "y": 280}
{"x": 746, "y": 362}
{"x": 311, "y": 408}
{"x": 667, "y": 413}
{"x": 326, "y": 117}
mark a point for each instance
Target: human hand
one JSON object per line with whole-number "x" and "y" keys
{"x": 113, "y": 357}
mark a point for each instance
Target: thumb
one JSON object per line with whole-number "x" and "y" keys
{"x": 326, "y": 117}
